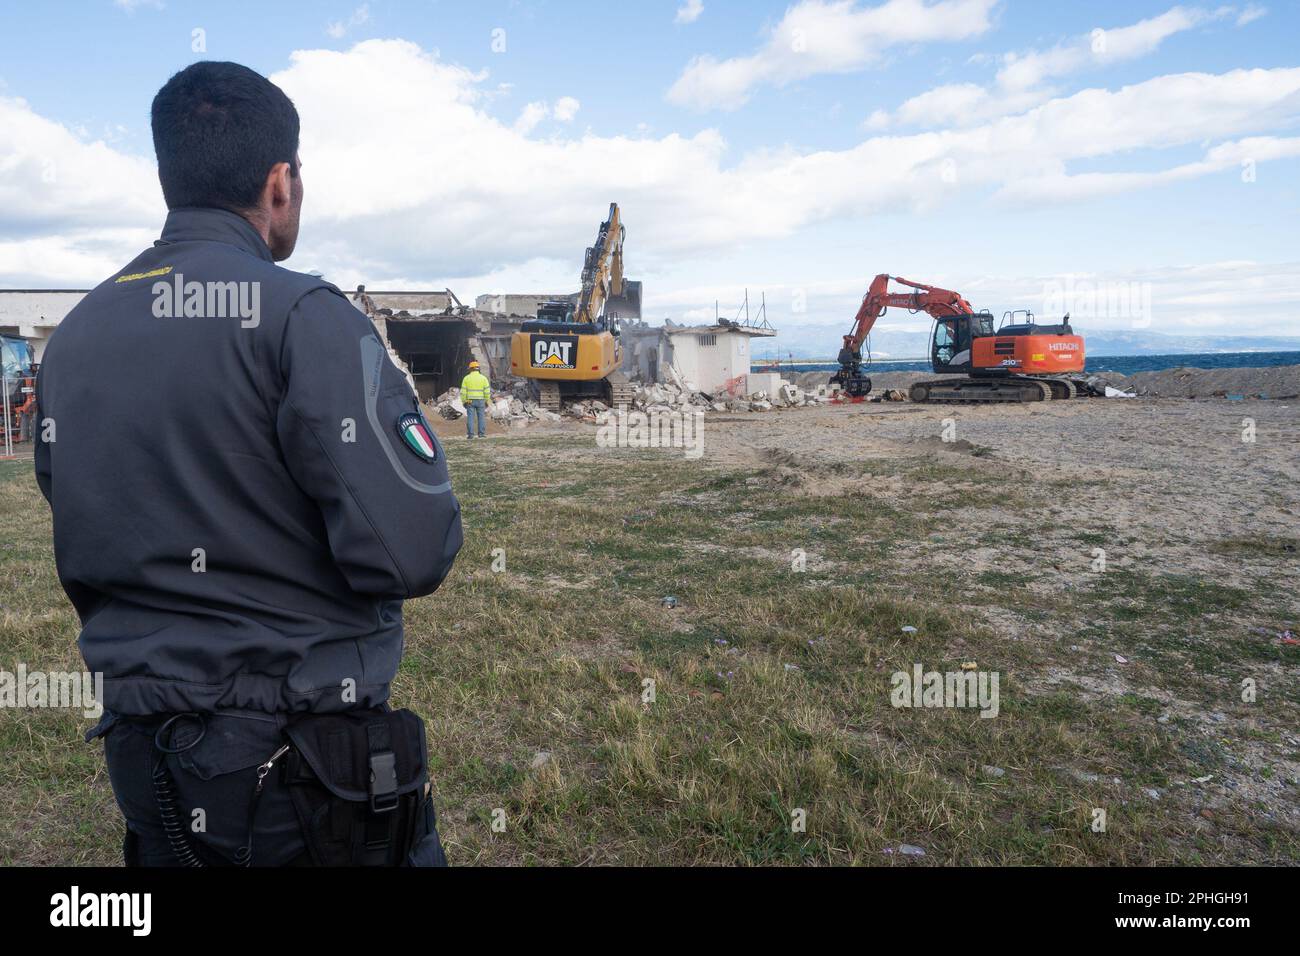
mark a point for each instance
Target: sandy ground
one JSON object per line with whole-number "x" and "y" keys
{"x": 1173, "y": 474}
{"x": 1170, "y": 477}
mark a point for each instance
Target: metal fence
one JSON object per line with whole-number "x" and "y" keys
{"x": 19, "y": 426}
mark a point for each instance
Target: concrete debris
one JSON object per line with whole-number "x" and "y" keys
{"x": 516, "y": 406}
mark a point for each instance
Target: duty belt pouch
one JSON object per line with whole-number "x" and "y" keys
{"x": 357, "y": 781}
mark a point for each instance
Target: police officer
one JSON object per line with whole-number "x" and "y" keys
{"x": 475, "y": 393}
{"x": 244, "y": 491}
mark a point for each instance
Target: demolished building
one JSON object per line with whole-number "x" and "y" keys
{"x": 433, "y": 336}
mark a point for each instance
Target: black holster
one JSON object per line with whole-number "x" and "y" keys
{"x": 358, "y": 783}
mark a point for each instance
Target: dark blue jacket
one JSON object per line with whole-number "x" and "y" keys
{"x": 237, "y": 513}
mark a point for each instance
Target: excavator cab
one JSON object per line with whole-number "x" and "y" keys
{"x": 952, "y": 339}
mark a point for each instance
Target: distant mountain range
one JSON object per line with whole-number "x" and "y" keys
{"x": 823, "y": 342}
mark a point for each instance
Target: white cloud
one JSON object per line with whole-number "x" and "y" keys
{"x": 465, "y": 194}
{"x": 826, "y": 36}
{"x": 1251, "y": 13}
{"x": 1098, "y": 48}
{"x": 1184, "y": 299}
{"x": 689, "y": 11}
{"x": 530, "y": 116}
{"x": 51, "y": 178}
{"x": 130, "y": 6}
{"x": 565, "y": 109}
{"x": 1023, "y": 81}
{"x": 340, "y": 28}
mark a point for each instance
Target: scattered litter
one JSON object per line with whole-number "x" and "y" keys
{"x": 1206, "y": 779}
{"x": 993, "y": 771}
{"x": 906, "y": 849}
{"x": 1121, "y": 659}
{"x": 1152, "y": 792}
{"x": 969, "y": 666}
{"x": 1162, "y": 719}
{"x": 792, "y": 667}
{"x": 908, "y": 629}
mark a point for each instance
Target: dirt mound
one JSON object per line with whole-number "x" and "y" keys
{"x": 1277, "y": 382}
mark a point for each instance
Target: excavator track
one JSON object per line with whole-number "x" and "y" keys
{"x": 982, "y": 390}
{"x": 621, "y": 391}
{"x": 548, "y": 396}
{"x": 1062, "y": 388}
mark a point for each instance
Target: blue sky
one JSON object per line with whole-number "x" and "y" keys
{"x": 1001, "y": 147}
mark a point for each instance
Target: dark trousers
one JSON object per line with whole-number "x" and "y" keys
{"x": 213, "y": 783}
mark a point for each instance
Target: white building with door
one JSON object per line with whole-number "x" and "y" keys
{"x": 712, "y": 356}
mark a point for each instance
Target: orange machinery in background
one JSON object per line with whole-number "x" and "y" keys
{"x": 1019, "y": 361}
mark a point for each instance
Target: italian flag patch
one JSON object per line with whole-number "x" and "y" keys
{"x": 417, "y": 437}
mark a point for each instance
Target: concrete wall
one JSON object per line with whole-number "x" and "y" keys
{"x": 525, "y": 305}
{"x": 710, "y": 367}
{"x": 646, "y": 353}
{"x": 34, "y": 314}
{"x": 416, "y": 303}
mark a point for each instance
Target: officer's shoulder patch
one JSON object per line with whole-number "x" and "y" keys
{"x": 415, "y": 435}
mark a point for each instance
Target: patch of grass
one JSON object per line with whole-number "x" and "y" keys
{"x": 1288, "y": 548}
{"x": 562, "y": 696}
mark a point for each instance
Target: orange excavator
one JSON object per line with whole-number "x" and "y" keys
{"x": 1019, "y": 361}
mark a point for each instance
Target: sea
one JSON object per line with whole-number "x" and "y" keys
{"x": 1124, "y": 364}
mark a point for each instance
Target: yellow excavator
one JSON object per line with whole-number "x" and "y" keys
{"x": 571, "y": 350}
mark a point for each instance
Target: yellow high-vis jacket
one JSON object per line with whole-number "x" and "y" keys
{"x": 475, "y": 386}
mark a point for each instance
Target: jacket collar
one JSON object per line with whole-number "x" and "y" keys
{"x": 191, "y": 224}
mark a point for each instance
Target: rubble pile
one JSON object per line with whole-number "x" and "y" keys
{"x": 513, "y": 407}
{"x": 516, "y": 407}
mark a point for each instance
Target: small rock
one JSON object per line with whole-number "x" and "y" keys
{"x": 1152, "y": 792}
{"x": 669, "y": 602}
{"x": 540, "y": 759}
{"x": 993, "y": 771}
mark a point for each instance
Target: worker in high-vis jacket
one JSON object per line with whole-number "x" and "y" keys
{"x": 238, "y": 529}
{"x": 475, "y": 393}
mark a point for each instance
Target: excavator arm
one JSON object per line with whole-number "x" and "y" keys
{"x": 934, "y": 301}
{"x": 602, "y": 269}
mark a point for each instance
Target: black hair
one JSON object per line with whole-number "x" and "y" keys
{"x": 218, "y": 128}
